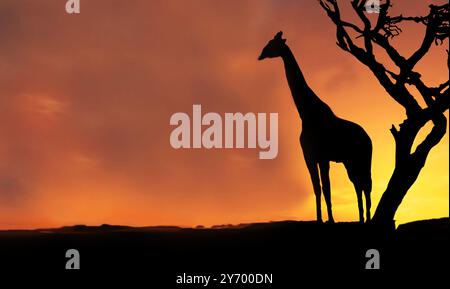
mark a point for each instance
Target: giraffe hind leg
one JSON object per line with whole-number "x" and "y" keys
{"x": 360, "y": 204}
{"x": 325, "y": 178}
{"x": 354, "y": 177}
{"x": 368, "y": 204}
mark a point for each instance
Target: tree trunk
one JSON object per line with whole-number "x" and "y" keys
{"x": 404, "y": 175}
{"x": 402, "y": 179}
{"x": 407, "y": 169}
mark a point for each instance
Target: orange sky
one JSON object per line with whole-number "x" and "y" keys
{"x": 85, "y": 103}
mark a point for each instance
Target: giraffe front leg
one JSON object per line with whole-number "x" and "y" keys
{"x": 314, "y": 173}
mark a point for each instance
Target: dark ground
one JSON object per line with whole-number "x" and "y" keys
{"x": 290, "y": 250}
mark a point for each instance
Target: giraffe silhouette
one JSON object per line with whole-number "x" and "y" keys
{"x": 325, "y": 137}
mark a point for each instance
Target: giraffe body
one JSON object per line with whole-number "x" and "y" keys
{"x": 325, "y": 137}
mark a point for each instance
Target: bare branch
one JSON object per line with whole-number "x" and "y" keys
{"x": 344, "y": 40}
{"x": 437, "y": 30}
{"x": 397, "y": 90}
{"x": 332, "y": 12}
{"x": 437, "y": 24}
{"x": 441, "y": 87}
{"x": 439, "y": 105}
{"x": 358, "y": 6}
{"x": 383, "y": 42}
{"x": 432, "y": 139}
{"x": 382, "y": 16}
{"x": 394, "y": 131}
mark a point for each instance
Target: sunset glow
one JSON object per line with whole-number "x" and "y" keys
{"x": 85, "y": 104}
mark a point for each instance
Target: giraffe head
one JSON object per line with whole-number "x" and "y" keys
{"x": 274, "y": 47}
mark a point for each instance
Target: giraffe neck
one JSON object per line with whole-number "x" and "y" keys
{"x": 306, "y": 101}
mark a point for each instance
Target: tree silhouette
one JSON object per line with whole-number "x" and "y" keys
{"x": 408, "y": 163}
